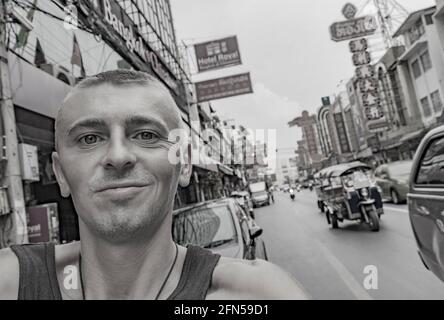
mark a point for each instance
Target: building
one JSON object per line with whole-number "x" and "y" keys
{"x": 45, "y": 63}
{"x": 287, "y": 169}
{"x": 426, "y": 64}
{"x": 310, "y": 151}
{"x": 398, "y": 98}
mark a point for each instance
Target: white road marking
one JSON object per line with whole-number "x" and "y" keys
{"x": 355, "y": 287}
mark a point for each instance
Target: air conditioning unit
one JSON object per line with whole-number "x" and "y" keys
{"x": 59, "y": 72}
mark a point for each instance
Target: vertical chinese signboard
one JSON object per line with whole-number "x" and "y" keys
{"x": 356, "y": 29}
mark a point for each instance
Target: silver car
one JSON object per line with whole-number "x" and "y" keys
{"x": 426, "y": 201}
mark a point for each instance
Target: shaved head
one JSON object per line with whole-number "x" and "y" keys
{"x": 118, "y": 78}
{"x": 115, "y": 146}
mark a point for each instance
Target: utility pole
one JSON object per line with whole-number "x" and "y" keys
{"x": 11, "y": 177}
{"x": 389, "y": 12}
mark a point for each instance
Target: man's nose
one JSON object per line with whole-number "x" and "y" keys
{"x": 119, "y": 155}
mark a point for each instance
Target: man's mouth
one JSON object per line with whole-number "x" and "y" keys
{"x": 121, "y": 190}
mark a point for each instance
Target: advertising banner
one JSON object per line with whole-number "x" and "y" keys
{"x": 223, "y": 87}
{"x": 217, "y": 54}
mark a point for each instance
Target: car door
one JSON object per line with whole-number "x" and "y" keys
{"x": 382, "y": 181}
{"x": 426, "y": 202}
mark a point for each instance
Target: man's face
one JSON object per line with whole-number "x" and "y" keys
{"x": 111, "y": 162}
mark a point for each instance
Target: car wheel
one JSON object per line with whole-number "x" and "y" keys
{"x": 395, "y": 196}
{"x": 334, "y": 221}
{"x": 373, "y": 218}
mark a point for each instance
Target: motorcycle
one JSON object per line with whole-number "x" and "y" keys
{"x": 292, "y": 196}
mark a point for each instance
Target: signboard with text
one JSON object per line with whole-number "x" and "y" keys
{"x": 353, "y": 28}
{"x": 217, "y": 54}
{"x": 342, "y": 134}
{"x": 129, "y": 36}
{"x": 223, "y": 87}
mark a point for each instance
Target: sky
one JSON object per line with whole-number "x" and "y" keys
{"x": 285, "y": 45}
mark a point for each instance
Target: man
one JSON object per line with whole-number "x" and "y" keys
{"x": 113, "y": 158}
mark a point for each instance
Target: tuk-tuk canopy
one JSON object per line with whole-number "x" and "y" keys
{"x": 341, "y": 169}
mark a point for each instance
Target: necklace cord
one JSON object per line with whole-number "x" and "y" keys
{"x": 161, "y": 288}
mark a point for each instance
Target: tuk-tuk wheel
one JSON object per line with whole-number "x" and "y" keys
{"x": 334, "y": 221}
{"x": 374, "y": 219}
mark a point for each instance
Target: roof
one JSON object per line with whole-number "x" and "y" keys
{"x": 339, "y": 170}
{"x": 208, "y": 203}
{"x": 411, "y": 19}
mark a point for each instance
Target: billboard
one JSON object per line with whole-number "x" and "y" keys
{"x": 342, "y": 133}
{"x": 223, "y": 87}
{"x": 217, "y": 54}
{"x": 353, "y": 28}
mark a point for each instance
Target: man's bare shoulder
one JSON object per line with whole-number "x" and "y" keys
{"x": 9, "y": 275}
{"x": 253, "y": 280}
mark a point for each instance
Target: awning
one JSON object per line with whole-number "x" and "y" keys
{"x": 225, "y": 169}
{"x": 413, "y": 135}
{"x": 206, "y": 163}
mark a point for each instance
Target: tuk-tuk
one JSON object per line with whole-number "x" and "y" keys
{"x": 318, "y": 189}
{"x": 349, "y": 192}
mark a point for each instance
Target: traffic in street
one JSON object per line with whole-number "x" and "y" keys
{"x": 329, "y": 263}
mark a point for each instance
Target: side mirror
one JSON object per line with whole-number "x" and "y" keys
{"x": 255, "y": 232}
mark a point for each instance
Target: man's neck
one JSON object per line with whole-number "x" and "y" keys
{"x": 133, "y": 269}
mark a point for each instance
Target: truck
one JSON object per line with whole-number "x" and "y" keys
{"x": 259, "y": 194}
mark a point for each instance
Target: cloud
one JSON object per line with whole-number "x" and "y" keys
{"x": 264, "y": 109}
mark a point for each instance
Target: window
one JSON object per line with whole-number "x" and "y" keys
{"x": 429, "y": 19}
{"x": 436, "y": 101}
{"x": 208, "y": 227}
{"x": 426, "y": 61}
{"x": 416, "y": 31}
{"x": 416, "y": 69}
{"x": 431, "y": 170}
{"x": 426, "y": 107}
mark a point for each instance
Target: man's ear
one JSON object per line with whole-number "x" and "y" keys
{"x": 186, "y": 168}
{"x": 56, "y": 167}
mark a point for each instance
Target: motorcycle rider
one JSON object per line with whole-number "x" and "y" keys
{"x": 291, "y": 193}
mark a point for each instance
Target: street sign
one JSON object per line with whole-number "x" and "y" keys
{"x": 223, "y": 87}
{"x": 349, "y": 11}
{"x": 358, "y": 45}
{"x": 352, "y": 29}
{"x": 367, "y": 71}
{"x": 361, "y": 58}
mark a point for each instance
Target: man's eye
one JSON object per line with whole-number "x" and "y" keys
{"x": 90, "y": 139}
{"x": 147, "y": 136}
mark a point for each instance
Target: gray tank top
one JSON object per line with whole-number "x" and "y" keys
{"x": 38, "y": 278}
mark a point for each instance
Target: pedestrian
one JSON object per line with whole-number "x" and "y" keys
{"x": 113, "y": 158}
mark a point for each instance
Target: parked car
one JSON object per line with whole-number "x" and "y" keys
{"x": 393, "y": 179}
{"x": 221, "y": 226}
{"x": 426, "y": 201}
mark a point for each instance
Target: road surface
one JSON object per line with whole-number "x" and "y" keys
{"x": 329, "y": 264}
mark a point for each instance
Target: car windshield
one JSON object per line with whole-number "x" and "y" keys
{"x": 207, "y": 227}
{"x": 401, "y": 170}
{"x": 260, "y": 193}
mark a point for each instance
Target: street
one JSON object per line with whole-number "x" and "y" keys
{"x": 329, "y": 264}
